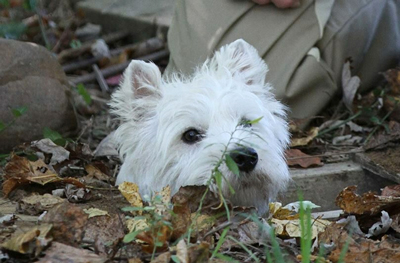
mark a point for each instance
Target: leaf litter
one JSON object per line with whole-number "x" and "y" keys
{"x": 84, "y": 221}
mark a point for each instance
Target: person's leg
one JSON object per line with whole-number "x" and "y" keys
{"x": 303, "y": 77}
{"x": 368, "y": 32}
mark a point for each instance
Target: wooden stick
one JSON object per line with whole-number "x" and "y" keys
{"x": 100, "y": 79}
{"x": 113, "y": 70}
{"x": 151, "y": 45}
{"x": 74, "y": 52}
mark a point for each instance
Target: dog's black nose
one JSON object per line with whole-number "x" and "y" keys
{"x": 245, "y": 158}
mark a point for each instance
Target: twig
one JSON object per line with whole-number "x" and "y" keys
{"x": 152, "y": 45}
{"x": 100, "y": 79}
{"x": 43, "y": 31}
{"x": 119, "y": 68}
{"x": 62, "y": 37}
{"x": 74, "y": 52}
{"x": 381, "y": 121}
{"x": 357, "y": 150}
{"x": 340, "y": 124}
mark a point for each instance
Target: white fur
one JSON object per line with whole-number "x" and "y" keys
{"x": 227, "y": 88}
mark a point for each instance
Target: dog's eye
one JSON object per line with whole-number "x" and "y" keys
{"x": 191, "y": 136}
{"x": 245, "y": 123}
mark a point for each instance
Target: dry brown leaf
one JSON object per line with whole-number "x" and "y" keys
{"x": 20, "y": 171}
{"x": 158, "y": 234}
{"x": 199, "y": 253}
{"x": 185, "y": 203}
{"x": 106, "y": 230}
{"x": 92, "y": 212}
{"x": 68, "y": 221}
{"x": 182, "y": 251}
{"x": 36, "y": 204}
{"x": 295, "y": 157}
{"x": 279, "y": 212}
{"x": 131, "y": 193}
{"x": 350, "y": 202}
{"x": 386, "y": 250}
{"x": 393, "y": 78}
{"x": 94, "y": 172}
{"x": 367, "y": 204}
{"x": 165, "y": 193}
{"x": 311, "y": 134}
{"x": 163, "y": 258}
{"x": 391, "y": 190}
{"x": 31, "y": 242}
{"x": 62, "y": 253}
{"x": 350, "y": 85}
{"x": 291, "y": 228}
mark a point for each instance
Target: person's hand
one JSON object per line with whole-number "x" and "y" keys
{"x": 279, "y": 3}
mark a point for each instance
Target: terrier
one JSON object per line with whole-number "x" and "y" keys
{"x": 175, "y": 130}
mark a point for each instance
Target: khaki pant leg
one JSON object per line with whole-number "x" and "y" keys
{"x": 368, "y": 33}
{"x": 284, "y": 39}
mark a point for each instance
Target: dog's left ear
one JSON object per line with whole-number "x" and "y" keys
{"x": 139, "y": 91}
{"x": 143, "y": 78}
{"x": 242, "y": 59}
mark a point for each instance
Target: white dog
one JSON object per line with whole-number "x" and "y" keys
{"x": 174, "y": 131}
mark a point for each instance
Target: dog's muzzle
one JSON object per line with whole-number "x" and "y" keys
{"x": 246, "y": 158}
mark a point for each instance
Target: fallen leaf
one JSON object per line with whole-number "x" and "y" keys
{"x": 185, "y": 203}
{"x": 106, "y": 230}
{"x": 36, "y": 204}
{"x": 62, "y": 253}
{"x": 368, "y": 203}
{"x": 68, "y": 221}
{"x": 131, "y": 193}
{"x": 392, "y": 76}
{"x": 136, "y": 224}
{"x": 182, "y": 251}
{"x": 114, "y": 80}
{"x": 295, "y": 157}
{"x": 311, "y": 134}
{"x": 94, "y": 172}
{"x": 199, "y": 253}
{"x": 31, "y": 242}
{"x": 155, "y": 239}
{"x": 163, "y": 258}
{"x": 162, "y": 205}
{"x": 348, "y": 139}
{"x": 20, "y": 171}
{"x": 291, "y": 228}
{"x": 92, "y": 212}
{"x": 366, "y": 250}
{"x": 350, "y": 85}
{"x": 382, "y": 140}
{"x": 8, "y": 220}
{"x": 58, "y": 153}
{"x": 380, "y": 227}
{"x": 391, "y": 190}
{"x": 76, "y": 194}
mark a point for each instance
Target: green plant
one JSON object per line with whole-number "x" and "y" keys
{"x": 156, "y": 222}
{"x": 16, "y": 112}
{"x": 75, "y": 44}
{"x": 306, "y": 231}
{"x": 56, "y": 137}
{"x": 83, "y": 92}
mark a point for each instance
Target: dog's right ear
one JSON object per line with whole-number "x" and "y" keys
{"x": 142, "y": 78}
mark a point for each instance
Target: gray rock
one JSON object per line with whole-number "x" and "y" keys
{"x": 30, "y": 76}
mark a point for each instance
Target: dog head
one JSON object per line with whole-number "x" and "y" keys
{"x": 175, "y": 131}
